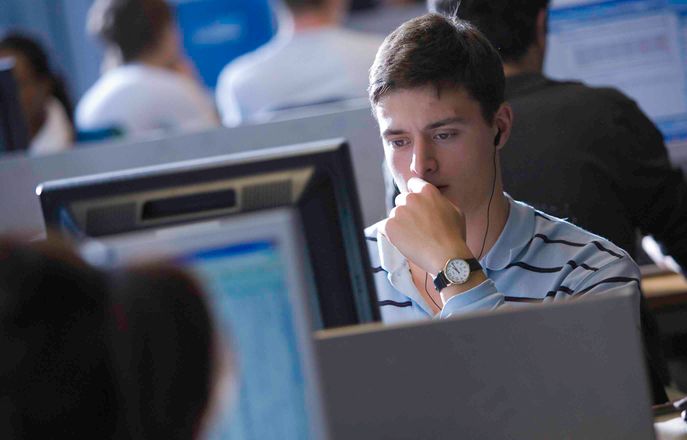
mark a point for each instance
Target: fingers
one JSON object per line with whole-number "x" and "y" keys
{"x": 416, "y": 185}
{"x": 400, "y": 199}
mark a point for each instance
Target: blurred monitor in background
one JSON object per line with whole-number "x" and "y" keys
{"x": 314, "y": 178}
{"x": 13, "y": 132}
{"x": 312, "y": 60}
{"x": 45, "y": 103}
{"x": 148, "y": 85}
{"x": 637, "y": 46}
{"x": 253, "y": 269}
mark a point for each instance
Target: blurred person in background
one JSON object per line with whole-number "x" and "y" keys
{"x": 148, "y": 84}
{"x": 88, "y": 354}
{"x": 43, "y": 96}
{"x": 315, "y": 61}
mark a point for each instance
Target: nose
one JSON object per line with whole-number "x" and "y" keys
{"x": 424, "y": 161}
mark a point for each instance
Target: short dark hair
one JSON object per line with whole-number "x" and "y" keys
{"x": 510, "y": 25}
{"x": 133, "y": 26}
{"x": 443, "y": 52}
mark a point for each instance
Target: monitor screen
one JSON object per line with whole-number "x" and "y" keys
{"x": 250, "y": 267}
{"x": 246, "y": 284}
{"x": 637, "y": 46}
{"x": 315, "y": 178}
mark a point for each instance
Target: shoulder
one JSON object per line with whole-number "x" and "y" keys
{"x": 362, "y": 39}
{"x": 354, "y": 46}
{"x": 608, "y": 96}
{"x": 242, "y": 68}
{"x": 573, "y": 246}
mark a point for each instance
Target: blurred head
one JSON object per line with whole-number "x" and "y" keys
{"x": 135, "y": 28}
{"x": 512, "y": 26}
{"x": 36, "y": 81}
{"x": 437, "y": 92}
{"x": 165, "y": 350}
{"x": 55, "y": 375}
{"x": 88, "y": 354}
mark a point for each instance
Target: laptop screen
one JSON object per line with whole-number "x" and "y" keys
{"x": 251, "y": 268}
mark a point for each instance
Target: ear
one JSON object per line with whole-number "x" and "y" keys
{"x": 503, "y": 123}
{"x": 542, "y": 28}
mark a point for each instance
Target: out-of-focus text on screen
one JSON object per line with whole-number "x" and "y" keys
{"x": 249, "y": 297}
{"x": 637, "y": 46}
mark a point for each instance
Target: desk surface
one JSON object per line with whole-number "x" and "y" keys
{"x": 665, "y": 289}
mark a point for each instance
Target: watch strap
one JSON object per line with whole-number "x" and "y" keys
{"x": 441, "y": 282}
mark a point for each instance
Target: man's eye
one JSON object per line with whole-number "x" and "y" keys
{"x": 398, "y": 143}
{"x": 443, "y": 136}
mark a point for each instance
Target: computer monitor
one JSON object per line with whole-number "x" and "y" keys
{"x": 316, "y": 178}
{"x": 251, "y": 267}
{"x": 637, "y": 46}
{"x": 13, "y": 133}
{"x": 570, "y": 370}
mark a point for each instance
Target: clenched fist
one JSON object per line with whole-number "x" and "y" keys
{"x": 426, "y": 228}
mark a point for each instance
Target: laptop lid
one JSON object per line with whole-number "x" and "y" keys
{"x": 571, "y": 370}
{"x": 251, "y": 267}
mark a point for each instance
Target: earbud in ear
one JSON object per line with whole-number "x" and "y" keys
{"x": 497, "y": 139}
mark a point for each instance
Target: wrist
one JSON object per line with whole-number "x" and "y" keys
{"x": 476, "y": 278}
{"x": 439, "y": 263}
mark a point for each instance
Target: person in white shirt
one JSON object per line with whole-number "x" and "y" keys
{"x": 151, "y": 86}
{"x": 42, "y": 94}
{"x": 315, "y": 61}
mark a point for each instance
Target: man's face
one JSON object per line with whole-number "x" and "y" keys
{"x": 441, "y": 138}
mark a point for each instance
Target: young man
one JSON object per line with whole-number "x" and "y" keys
{"x": 455, "y": 242}
{"x": 600, "y": 161}
{"x": 437, "y": 91}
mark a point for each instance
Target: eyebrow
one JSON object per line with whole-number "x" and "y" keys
{"x": 432, "y": 126}
{"x": 447, "y": 121}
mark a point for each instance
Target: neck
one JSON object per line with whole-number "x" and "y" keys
{"x": 495, "y": 216}
{"x": 531, "y": 62}
{"x": 310, "y": 20}
{"x": 154, "y": 60}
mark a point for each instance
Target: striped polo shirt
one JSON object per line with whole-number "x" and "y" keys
{"x": 537, "y": 258}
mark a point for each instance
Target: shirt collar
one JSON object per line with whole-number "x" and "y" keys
{"x": 514, "y": 237}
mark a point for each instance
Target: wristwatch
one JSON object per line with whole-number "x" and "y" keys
{"x": 456, "y": 271}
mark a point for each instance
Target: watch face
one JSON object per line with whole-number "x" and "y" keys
{"x": 457, "y": 271}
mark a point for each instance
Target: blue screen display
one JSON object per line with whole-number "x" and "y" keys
{"x": 248, "y": 292}
{"x": 637, "y": 46}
